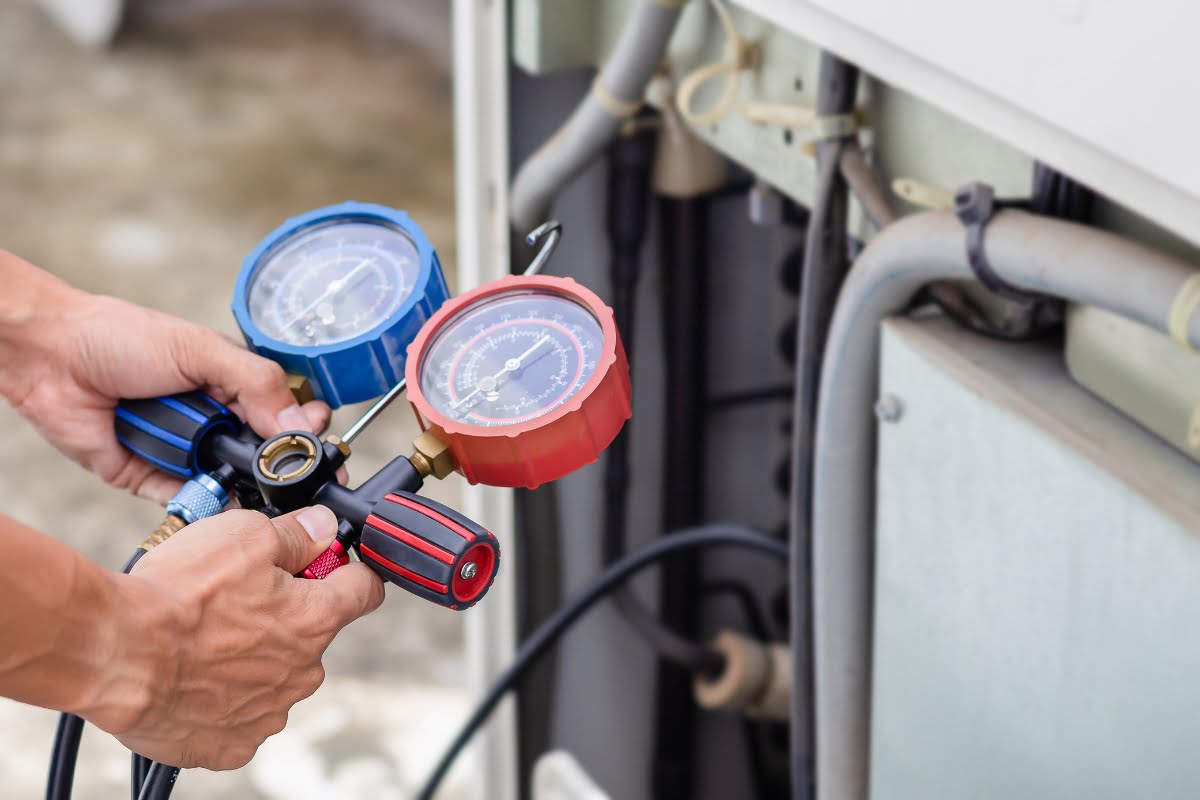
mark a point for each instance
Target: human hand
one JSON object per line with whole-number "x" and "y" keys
{"x": 71, "y": 357}
{"x": 220, "y": 640}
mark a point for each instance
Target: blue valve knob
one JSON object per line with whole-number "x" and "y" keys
{"x": 168, "y": 431}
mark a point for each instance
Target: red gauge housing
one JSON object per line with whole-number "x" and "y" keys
{"x": 547, "y": 447}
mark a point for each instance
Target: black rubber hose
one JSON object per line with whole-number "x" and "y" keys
{"x": 630, "y": 158}
{"x": 139, "y": 767}
{"x": 683, "y": 226}
{"x": 824, "y": 270}
{"x": 69, "y": 734}
{"x": 549, "y": 632}
{"x": 160, "y": 782}
{"x": 65, "y": 754}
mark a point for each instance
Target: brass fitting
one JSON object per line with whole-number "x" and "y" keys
{"x": 431, "y": 456}
{"x": 284, "y": 451}
{"x": 336, "y": 441}
{"x": 301, "y": 389}
{"x": 170, "y": 526}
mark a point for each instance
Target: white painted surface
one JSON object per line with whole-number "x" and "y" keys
{"x": 1097, "y": 88}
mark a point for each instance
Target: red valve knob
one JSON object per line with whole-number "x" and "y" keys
{"x": 430, "y": 550}
{"x": 334, "y": 557}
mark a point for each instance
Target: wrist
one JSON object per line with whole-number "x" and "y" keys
{"x": 33, "y": 304}
{"x": 137, "y": 646}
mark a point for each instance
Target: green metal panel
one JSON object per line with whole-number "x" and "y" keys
{"x": 1037, "y": 568}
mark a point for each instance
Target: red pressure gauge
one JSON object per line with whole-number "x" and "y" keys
{"x": 524, "y": 379}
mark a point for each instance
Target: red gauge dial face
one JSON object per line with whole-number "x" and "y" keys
{"x": 511, "y": 358}
{"x": 524, "y": 379}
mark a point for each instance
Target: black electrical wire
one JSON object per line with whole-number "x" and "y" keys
{"x": 549, "y": 632}
{"x": 747, "y": 397}
{"x": 69, "y": 734}
{"x": 825, "y": 267}
{"x": 160, "y": 782}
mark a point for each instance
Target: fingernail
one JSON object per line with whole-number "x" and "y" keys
{"x": 292, "y": 419}
{"x": 318, "y": 522}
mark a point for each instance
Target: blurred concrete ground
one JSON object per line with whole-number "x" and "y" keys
{"x": 148, "y": 173}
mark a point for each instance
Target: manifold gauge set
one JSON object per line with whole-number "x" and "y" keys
{"x": 515, "y": 383}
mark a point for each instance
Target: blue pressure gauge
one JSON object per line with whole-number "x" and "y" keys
{"x": 337, "y": 294}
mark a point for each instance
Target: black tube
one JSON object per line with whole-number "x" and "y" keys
{"x": 139, "y": 768}
{"x": 533, "y": 648}
{"x": 67, "y": 737}
{"x": 630, "y": 158}
{"x": 683, "y": 226}
{"x": 64, "y": 756}
{"x": 160, "y": 782}
{"x": 824, "y": 270}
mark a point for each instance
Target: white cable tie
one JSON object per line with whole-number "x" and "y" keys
{"x": 1183, "y": 307}
{"x": 621, "y": 109}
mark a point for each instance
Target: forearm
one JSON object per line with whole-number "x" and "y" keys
{"x": 33, "y": 304}
{"x": 62, "y": 623}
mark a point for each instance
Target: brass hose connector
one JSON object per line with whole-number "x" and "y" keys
{"x": 170, "y": 525}
{"x": 431, "y": 456}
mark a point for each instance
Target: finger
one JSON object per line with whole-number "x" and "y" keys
{"x": 318, "y": 415}
{"x": 158, "y": 488}
{"x": 258, "y": 385}
{"x": 342, "y": 475}
{"x": 348, "y": 593}
{"x": 302, "y": 536}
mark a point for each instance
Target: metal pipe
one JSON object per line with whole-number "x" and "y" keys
{"x": 1076, "y": 263}
{"x": 374, "y": 411}
{"x": 614, "y": 97}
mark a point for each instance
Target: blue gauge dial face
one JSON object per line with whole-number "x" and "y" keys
{"x": 511, "y": 358}
{"x": 332, "y": 282}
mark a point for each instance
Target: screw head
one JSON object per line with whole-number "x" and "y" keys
{"x": 889, "y": 408}
{"x": 469, "y": 570}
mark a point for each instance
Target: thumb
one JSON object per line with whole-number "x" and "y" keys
{"x": 302, "y": 536}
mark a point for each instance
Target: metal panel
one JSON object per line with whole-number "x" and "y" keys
{"x": 481, "y": 202}
{"x": 1036, "y": 632}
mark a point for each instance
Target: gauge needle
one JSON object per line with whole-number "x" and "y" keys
{"x": 511, "y": 365}
{"x": 333, "y": 288}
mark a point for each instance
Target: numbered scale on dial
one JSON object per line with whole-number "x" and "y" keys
{"x": 336, "y": 295}
{"x": 525, "y": 379}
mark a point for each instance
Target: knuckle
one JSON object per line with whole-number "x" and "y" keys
{"x": 266, "y": 375}
{"x": 241, "y": 756}
{"x": 311, "y": 680}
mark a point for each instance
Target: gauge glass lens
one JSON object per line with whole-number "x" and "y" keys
{"x": 511, "y": 358}
{"x": 332, "y": 282}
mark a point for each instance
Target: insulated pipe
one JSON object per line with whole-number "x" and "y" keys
{"x": 1073, "y": 262}
{"x": 614, "y": 97}
{"x": 824, "y": 270}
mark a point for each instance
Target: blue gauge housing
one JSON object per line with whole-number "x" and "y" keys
{"x": 367, "y": 364}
